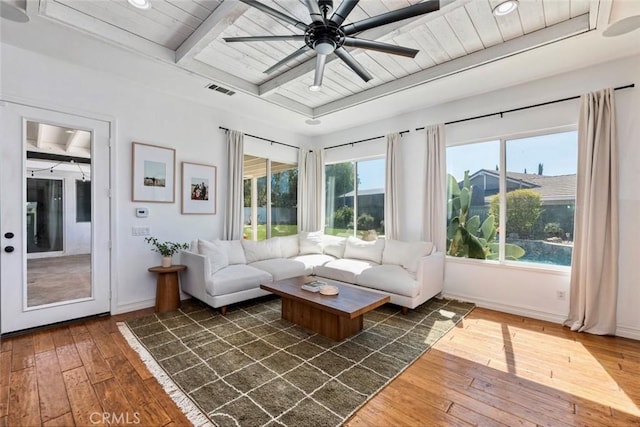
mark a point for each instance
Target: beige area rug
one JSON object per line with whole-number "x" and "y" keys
{"x": 251, "y": 368}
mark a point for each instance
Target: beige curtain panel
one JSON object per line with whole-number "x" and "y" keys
{"x": 594, "y": 268}
{"x": 391, "y": 196}
{"x": 435, "y": 202}
{"x": 235, "y": 190}
{"x": 311, "y": 190}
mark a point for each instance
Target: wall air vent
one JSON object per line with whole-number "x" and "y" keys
{"x": 221, "y": 89}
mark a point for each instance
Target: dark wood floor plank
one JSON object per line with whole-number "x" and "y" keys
{"x": 131, "y": 356}
{"x": 42, "y": 341}
{"x": 115, "y": 404}
{"x": 102, "y": 339}
{"x": 65, "y": 420}
{"x": 24, "y": 409}
{"x": 169, "y": 405}
{"x": 5, "y": 376}
{"x": 82, "y": 397}
{"x": 22, "y": 353}
{"x": 51, "y": 388}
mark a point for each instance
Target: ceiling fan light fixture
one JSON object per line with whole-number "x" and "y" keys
{"x": 140, "y": 4}
{"x": 324, "y": 47}
{"x": 505, "y": 8}
{"x": 315, "y": 88}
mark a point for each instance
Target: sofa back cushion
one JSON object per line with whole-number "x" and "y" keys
{"x": 405, "y": 254}
{"x": 234, "y": 251}
{"x": 360, "y": 249}
{"x": 263, "y": 249}
{"x": 289, "y": 246}
{"x": 311, "y": 242}
{"x": 217, "y": 257}
{"x": 334, "y": 245}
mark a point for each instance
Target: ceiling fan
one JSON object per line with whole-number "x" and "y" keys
{"x": 326, "y": 33}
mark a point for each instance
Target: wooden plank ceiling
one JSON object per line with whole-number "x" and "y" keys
{"x": 190, "y": 32}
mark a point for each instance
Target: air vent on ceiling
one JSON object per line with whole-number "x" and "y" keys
{"x": 221, "y": 89}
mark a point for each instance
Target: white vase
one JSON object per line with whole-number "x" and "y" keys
{"x": 166, "y": 261}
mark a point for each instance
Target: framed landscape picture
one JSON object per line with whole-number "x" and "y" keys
{"x": 153, "y": 173}
{"x": 198, "y": 188}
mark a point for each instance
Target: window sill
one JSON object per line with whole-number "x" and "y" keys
{"x": 559, "y": 270}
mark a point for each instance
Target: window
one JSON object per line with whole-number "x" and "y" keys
{"x": 355, "y": 197}
{"x": 524, "y": 214}
{"x": 83, "y": 201}
{"x": 279, "y": 193}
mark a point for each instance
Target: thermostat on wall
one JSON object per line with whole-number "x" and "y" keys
{"x": 142, "y": 212}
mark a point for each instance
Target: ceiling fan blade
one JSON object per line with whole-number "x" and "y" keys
{"x": 353, "y": 64}
{"x": 380, "y": 47}
{"x": 343, "y": 11}
{"x": 283, "y": 61}
{"x": 321, "y": 60}
{"x": 292, "y": 37}
{"x": 276, "y": 14}
{"x": 314, "y": 11}
{"x": 393, "y": 16}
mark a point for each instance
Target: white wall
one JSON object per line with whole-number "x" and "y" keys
{"x": 144, "y": 115}
{"x": 527, "y": 291}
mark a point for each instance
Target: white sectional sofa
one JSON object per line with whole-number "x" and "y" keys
{"x": 222, "y": 272}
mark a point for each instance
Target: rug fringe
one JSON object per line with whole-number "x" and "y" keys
{"x": 193, "y": 413}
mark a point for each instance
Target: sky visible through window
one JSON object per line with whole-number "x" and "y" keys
{"x": 371, "y": 174}
{"x": 557, "y": 153}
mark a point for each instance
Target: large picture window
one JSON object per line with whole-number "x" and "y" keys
{"x": 270, "y": 205}
{"x": 355, "y": 198}
{"x": 513, "y": 199}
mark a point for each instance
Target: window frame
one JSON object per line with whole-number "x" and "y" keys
{"x": 501, "y": 261}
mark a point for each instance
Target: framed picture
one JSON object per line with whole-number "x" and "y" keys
{"x": 199, "y": 192}
{"x": 153, "y": 173}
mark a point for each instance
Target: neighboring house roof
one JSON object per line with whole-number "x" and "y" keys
{"x": 366, "y": 192}
{"x": 550, "y": 188}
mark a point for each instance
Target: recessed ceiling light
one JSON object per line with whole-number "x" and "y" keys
{"x": 140, "y": 4}
{"x": 505, "y": 8}
{"x": 315, "y": 88}
{"x": 312, "y": 122}
{"x": 623, "y": 26}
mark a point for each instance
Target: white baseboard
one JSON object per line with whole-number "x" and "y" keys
{"x": 511, "y": 309}
{"x": 133, "y": 306}
{"x": 628, "y": 332}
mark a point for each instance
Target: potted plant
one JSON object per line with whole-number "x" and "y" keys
{"x": 166, "y": 249}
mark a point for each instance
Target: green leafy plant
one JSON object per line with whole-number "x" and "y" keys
{"x": 524, "y": 207}
{"x": 467, "y": 237}
{"x": 553, "y": 229}
{"x": 165, "y": 248}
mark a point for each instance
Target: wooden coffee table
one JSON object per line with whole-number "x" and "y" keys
{"x": 334, "y": 316}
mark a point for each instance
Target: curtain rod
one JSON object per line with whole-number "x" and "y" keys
{"x": 525, "y": 108}
{"x": 362, "y": 140}
{"x": 264, "y": 139}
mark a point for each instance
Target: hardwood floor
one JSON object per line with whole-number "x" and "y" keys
{"x": 493, "y": 369}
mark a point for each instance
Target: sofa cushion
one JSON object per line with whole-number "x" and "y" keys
{"x": 389, "y": 278}
{"x": 217, "y": 257}
{"x": 289, "y": 246}
{"x": 236, "y": 278}
{"x": 360, "y": 249}
{"x": 405, "y": 254}
{"x": 263, "y": 249}
{"x": 344, "y": 270}
{"x": 282, "y": 268}
{"x": 234, "y": 251}
{"x": 310, "y": 242}
{"x": 313, "y": 260}
{"x": 334, "y": 245}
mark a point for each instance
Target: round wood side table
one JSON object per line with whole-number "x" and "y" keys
{"x": 168, "y": 288}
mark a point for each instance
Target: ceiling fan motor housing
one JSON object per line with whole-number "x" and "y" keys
{"x": 324, "y": 39}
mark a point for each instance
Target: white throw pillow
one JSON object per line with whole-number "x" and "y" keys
{"x": 234, "y": 250}
{"x": 359, "y": 249}
{"x": 405, "y": 254}
{"x": 311, "y": 242}
{"x": 264, "y": 249}
{"x": 334, "y": 245}
{"x": 289, "y": 246}
{"x": 217, "y": 257}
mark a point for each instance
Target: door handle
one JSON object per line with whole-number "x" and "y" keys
{"x": 9, "y": 249}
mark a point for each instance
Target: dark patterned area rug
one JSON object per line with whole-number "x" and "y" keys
{"x": 251, "y": 368}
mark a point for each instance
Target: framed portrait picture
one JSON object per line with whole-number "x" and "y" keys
{"x": 199, "y": 192}
{"x": 153, "y": 173}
